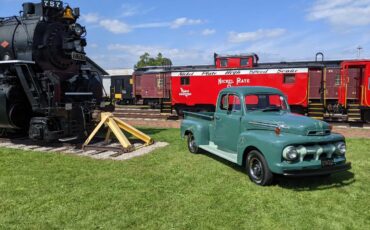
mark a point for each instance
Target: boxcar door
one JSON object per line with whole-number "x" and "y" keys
{"x": 315, "y": 84}
{"x": 354, "y": 82}
{"x": 332, "y": 83}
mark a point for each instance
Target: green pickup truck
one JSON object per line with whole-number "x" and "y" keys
{"x": 253, "y": 127}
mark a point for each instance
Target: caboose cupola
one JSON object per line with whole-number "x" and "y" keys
{"x": 236, "y": 61}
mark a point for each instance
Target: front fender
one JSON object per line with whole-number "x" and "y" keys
{"x": 267, "y": 142}
{"x": 199, "y": 130}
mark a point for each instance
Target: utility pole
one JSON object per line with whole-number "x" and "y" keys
{"x": 359, "y": 49}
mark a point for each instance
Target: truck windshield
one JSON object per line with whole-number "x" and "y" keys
{"x": 265, "y": 102}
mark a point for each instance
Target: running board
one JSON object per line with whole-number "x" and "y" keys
{"x": 233, "y": 157}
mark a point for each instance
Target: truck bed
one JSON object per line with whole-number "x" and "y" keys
{"x": 201, "y": 115}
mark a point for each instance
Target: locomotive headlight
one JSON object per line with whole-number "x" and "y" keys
{"x": 341, "y": 148}
{"x": 78, "y": 29}
{"x": 290, "y": 153}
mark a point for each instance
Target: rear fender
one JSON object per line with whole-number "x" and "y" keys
{"x": 199, "y": 130}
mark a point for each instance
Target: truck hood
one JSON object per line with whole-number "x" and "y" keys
{"x": 288, "y": 123}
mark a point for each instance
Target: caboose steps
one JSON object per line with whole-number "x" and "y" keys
{"x": 316, "y": 110}
{"x": 166, "y": 107}
{"x": 354, "y": 112}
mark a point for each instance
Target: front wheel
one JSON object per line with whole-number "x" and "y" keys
{"x": 258, "y": 170}
{"x": 192, "y": 145}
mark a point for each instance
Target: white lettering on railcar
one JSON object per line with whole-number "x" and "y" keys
{"x": 228, "y": 82}
{"x": 233, "y": 72}
{"x": 209, "y": 73}
{"x": 184, "y": 92}
{"x": 266, "y": 71}
{"x": 287, "y": 71}
{"x": 243, "y": 81}
{"x": 239, "y": 72}
{"x": 186, "y": 74}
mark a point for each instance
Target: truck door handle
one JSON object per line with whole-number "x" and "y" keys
{"x": 217, "y": 118}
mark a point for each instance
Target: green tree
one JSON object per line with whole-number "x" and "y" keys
{"x": 147, "y": 60}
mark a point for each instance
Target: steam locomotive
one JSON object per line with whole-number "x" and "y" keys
{"x": 45, "y": 90}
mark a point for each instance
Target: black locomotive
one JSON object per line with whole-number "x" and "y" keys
{"x": 44, "y": 89}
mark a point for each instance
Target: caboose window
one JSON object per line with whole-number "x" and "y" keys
{"x": 289, "y": 78}
{"x": 244, "y": 62}
{"x": 337, "y": 80}
{"x": 224, "y": 63}
{"x": 369, "y": 83}
{"x": 185, "y": 81}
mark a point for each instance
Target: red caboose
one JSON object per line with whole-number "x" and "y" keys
{"x": 335, "y": 90}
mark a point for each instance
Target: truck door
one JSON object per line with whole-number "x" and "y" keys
{"x": 227, "y": 122}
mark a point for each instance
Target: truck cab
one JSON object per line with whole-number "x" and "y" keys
{"x": 253, "y": 127}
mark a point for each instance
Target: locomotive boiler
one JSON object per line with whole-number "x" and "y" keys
{"x": 44, "y": 90}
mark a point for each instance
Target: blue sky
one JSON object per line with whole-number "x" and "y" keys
{"x": 190, "y": 31}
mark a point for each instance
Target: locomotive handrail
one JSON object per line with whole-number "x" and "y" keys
{"x": 17, "y": 62}
{"x": 317, "y": 56}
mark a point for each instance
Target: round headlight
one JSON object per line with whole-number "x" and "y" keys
{"x": 341, "y": 148}
{"x": 290, "y": 153}
{"x": 78, "y": 29}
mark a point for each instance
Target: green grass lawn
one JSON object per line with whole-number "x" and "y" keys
{"x": 173, "y": 189}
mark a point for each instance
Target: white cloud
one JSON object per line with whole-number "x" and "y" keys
{"x": 179, "y": 22}
{"x": 341, "y": 13}
{"x": 183, "y": 56}
{"x": 129, "y": 10}
{"x": 93, "y": 45}
{"x": 151, "y": 25}
{"x": 255, "y": 35}
{"x": 175, "y": 24}
{"x": 119, "y": 27}
{"x": 207, "y": 32}
{"x": 115, "y": 26}
{"x": 90, "y": 17}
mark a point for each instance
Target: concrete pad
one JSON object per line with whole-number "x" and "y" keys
{"x": 141, "y": 151}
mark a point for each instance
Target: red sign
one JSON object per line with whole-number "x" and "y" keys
{"x": 5, "y": 44}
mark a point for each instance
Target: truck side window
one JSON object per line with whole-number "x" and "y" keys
{"x": 234, "y": 104}
{"x": 185, "y": 81}
{"x": 224, "y": 102}
{"x": 230, "y": 102}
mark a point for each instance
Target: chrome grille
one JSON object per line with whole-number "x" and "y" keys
{"x": 319, "y": 132}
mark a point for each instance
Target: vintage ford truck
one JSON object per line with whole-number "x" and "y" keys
{"x": 253, "y": 127}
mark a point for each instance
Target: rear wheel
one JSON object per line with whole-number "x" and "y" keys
{"x": 192, "y": 145}
{"x": 258, "y": 170}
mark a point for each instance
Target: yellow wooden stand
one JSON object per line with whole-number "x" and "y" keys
{"x": 116, "y": 126}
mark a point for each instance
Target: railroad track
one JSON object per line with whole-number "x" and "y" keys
{"x": 349, "y": 125}
{"x": 139, "y": 113}
{"x": 97, "y": 150}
